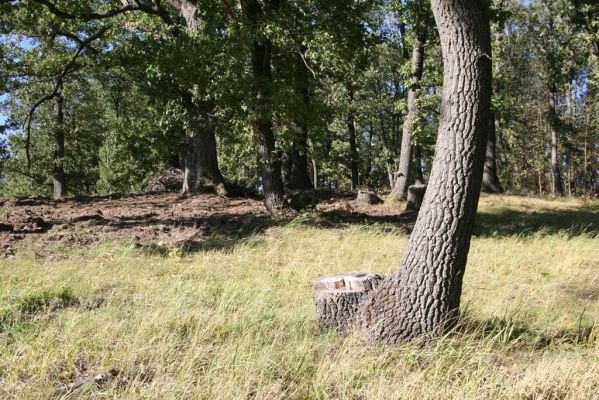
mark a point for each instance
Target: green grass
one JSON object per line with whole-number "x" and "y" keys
{"x": 239, "y": 322}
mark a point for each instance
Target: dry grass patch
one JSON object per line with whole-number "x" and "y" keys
{"x": 239, "y": 322}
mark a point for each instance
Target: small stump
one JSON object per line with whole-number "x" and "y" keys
{"x": 368, "y": 197}
{"x": 338, "y": 297}
{"x": 415, "y": 197}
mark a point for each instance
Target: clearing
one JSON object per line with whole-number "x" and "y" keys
{"x": 204, "y": 297}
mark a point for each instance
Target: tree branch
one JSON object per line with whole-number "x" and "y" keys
{"x": 67, "y": 68}
{"x": 89, "y": 17}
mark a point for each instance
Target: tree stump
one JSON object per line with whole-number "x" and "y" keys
{"x": 338, "y": 297}
{"x": 415, "y": 197}
{"x": 368, "y": 197}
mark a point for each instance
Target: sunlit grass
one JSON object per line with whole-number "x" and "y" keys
{"x": 114, "y": 322}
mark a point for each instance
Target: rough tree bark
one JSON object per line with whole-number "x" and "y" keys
{"x": 200, "y": 161}
{"x": 353, "y": 151}
{"x": 558, "y": 188}
{"x": 405, "y": 156}
{"x": 338, "y": 297}
{"x": 423, "y": 298}
{"x": 59, "y": 180}
{"x": 268, "y": 158}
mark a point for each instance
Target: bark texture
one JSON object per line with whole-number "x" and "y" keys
{"x": 405, "y": 156}
{"x": 59, "y": 180}
{"x": 338, "y": 297}
{"x": 558, "y": 188}
{"x": 200, "y": 161}
{"x": 424, "y": 296}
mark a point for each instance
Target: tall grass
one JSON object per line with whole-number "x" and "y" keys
{"x": 114, "y": 322}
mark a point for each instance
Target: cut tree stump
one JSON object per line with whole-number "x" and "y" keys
{"x": 368, "y": 197}
{"x": 415, "y": 197}
{"x": 338, "y": 297}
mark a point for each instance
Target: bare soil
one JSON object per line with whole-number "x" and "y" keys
{"x": 161, "y": 222}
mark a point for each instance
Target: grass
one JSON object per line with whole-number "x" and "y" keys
{"x": 237, "y": 323}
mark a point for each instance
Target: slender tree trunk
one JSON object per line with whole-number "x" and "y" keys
{"x": 491, "y": 182}
{"x": 299, "y": 150}
{"x": 558, "y": 188}
{"x": 403, "y": 177}
{"x": 419, "y": 178}
{"x": 423, "y": 298}
{"x": 200, "y": 160}
{"x": 314, "y": 173}
{"x": 368, "y": 169}
{"x": 353, "y": 150}
{"x": 268, "y": 158}
{"x": 59, "y": 180}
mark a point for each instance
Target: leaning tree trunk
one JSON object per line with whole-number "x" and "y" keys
{"x": 423, "y": 298}
{"x": 200, "y": 161}
{"x": 405, "y": 157}
{"x": 491, "y": 182}
{"x": 59, "y": 180}
{"x": 558, "y": 188}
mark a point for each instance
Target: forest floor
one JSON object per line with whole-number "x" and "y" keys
{"x": 155, "y": 296}
{"x": 161, "y": 222}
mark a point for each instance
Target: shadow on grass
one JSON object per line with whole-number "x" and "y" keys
{"x": 503, "y": 223}
{"x": 527, "y": 223}
{"x": 518, "y": 334}
{"x": 220, "y": 232}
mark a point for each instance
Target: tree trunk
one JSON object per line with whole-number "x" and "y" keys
{"x": 558, "y": 188}
{"x": 299, "y": 150}
{"x": 200, "y": 161}
{"x": 423, "y": 298}
{"x": 419, "y": 178}
{"x": 415, "y": 197}
{"x": 268, "y": 158}
{"x": 59, "y": 180}
{"x": 491, "y": 182}
{"x": 314, "y": 173}
{"x": 353, "y": 151}
{"x": 405, "y": 157}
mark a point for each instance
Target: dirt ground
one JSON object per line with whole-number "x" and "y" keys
{"x": 162, "y": 222}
